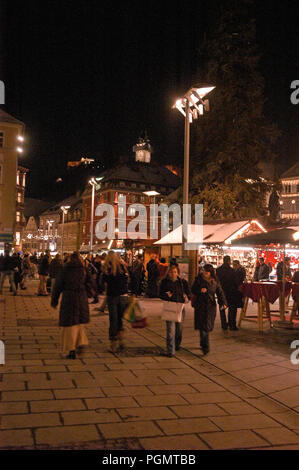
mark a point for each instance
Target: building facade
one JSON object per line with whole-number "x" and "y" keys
{"x": 138, "y": 181}
{"x": 289, "y": 198}
{"x": 11, "y": 187}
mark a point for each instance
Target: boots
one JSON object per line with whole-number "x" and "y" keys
{"x": 121, "y": 343}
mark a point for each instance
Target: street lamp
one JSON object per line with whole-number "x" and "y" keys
{"x": 94, "y": 182}
{"x": 64, "y": 212}
{"x": 191, "y": 105}
{"x": 49, "y": 222}
{"x": 154, "y": 194}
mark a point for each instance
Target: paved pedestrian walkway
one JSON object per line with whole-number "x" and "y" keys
{"x": 243, "y": 395}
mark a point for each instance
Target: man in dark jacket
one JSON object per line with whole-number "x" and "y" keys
{"x": 152, "y": 277}
{"x": 261, "y": 271}
{"x": 8, "y": 266}
{"x": 288, "y": 272}
{"x": 137, "y": 276}
{"x": 43, "y": 271}
{"x": 227, "y": 278}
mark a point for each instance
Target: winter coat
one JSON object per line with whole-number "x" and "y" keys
{"x": 279, "y": 271}
{"x": 296, "y": 277}
{"x": 8, "y": 263}
{"x": 204, "y": 303}
{"x": 26, "y": 265}
{"x": 55, "y": 268}
{"x": 116, "y": 285}
{"x": 73, "y": 282}
{"x": 261, "y": 272}
{"x": 152, "y": 279}
{"x": 177, "y": 288}
{"x": 240, "y": 275}
{"x": 44, "y": 265}
{"x": 228, "y": 280}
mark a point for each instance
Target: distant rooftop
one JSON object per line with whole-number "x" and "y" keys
{"x": 5, "y": 117}
{"x": 292, "y": 172}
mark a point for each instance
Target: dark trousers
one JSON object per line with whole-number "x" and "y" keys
{"x": 116, "y": 309}
{"x": 232, "y": 316}
{"x": 204, "y": 340}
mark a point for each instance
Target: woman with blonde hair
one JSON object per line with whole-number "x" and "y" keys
{"x": 116, "y": 279}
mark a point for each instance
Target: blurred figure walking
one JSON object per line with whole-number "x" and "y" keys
{"x": 75, "y": 284}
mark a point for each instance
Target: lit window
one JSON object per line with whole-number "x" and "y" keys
{"x": 121, "y": 210}
{"x": 18, "y": 178}
{"x": 24, "y": 179}
{"x": 19, "y": 198}
{"x": 18, "y": 216}
{"x": 18, "y": 237}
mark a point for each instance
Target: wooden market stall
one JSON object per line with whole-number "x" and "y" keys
{"x": 214, "y": 242}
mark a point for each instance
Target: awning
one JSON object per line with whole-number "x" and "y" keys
{"x": 218, "y": 233}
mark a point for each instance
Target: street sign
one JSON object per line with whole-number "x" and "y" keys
{"x": 6, "y": 237}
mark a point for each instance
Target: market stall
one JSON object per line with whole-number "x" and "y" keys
{"x": 281, "y": 239}
{"x": 216, "y": 242}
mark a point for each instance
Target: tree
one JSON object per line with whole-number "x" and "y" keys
{"x": 234, "y": 137}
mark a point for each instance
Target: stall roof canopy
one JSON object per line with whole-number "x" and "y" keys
{"x": 213, "y": 233}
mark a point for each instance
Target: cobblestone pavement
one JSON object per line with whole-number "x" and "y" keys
{"x": 243, "y": 395}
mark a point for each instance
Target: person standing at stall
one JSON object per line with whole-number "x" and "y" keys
{"x": 288, "y": 272}
{"x": 203, "y": 297}
{"x": 228, "y": 280}
{"x": 262, "y": 271}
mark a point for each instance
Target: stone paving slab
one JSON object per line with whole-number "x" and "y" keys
{"x": 243, "y": 395}
{"x": 233, "y": 440}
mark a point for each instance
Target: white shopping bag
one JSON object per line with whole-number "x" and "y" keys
{"x": 172, "y": 311}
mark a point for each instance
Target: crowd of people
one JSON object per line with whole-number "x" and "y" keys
{"x": 77, "y": 279}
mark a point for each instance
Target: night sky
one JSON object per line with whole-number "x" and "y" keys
{"x": 88, "y": 77}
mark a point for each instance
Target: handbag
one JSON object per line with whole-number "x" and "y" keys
{"x": 172, "y": 311}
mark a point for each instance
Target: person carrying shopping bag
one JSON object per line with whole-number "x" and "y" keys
{"x": 204, "y": 291}
{"x": 174, "y": 289}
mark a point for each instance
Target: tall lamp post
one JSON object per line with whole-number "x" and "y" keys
{"x": 64, "y": 212}
{"x": 94, "y": 182}
{"x": 191, "y": 105}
